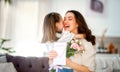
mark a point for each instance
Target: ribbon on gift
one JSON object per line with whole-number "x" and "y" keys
{"x": 56, "y": 67}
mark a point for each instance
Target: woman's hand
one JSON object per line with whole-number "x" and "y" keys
{"x": 52, "y": 54}
{"x": 68, "y": 62}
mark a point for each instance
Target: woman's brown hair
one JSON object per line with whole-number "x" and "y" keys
{"x": 49, "y": 27}
{"x": 82, "y": 26}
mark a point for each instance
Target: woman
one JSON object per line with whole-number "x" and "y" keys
{"x": 75, "y": 23}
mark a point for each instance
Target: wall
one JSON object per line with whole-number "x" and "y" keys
{"x": 110, "y": 19}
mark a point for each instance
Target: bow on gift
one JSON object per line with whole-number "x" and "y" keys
{"x": 54, "y": 68}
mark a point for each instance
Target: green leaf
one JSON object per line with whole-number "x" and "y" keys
{"x": 70, "y": 51}
{"x": 52, "y": 70}
{"x": 3, "y": 41}
{"x": 8, "y": 49}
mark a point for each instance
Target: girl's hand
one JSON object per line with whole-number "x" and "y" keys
{"x": 52, "y": 54}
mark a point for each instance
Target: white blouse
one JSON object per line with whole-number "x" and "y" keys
{"x": 88, "y": 57}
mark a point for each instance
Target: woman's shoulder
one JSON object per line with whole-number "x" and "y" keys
{"x": 84, "y": 41}
{"x": 87, "y": 44}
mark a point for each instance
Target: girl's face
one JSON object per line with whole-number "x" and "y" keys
{"x": 59, "y": 25}
{"x": 70, "y": 23}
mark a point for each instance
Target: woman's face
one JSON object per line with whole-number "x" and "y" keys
{"x": 70, "y": 23}
{"x": 59, "y": 25}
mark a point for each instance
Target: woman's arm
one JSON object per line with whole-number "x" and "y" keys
{"x": 77, "y": 67}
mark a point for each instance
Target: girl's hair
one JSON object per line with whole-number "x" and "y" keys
{"x": 49, "y": 27}
{"x": 82, "y": 26}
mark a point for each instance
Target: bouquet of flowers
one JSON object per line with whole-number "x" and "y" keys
{"x": 73, "y": 47}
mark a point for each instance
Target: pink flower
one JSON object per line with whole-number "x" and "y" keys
{"x": 80, "y": 48}
{"x": 74, "y": 46}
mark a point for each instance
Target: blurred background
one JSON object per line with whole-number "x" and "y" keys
{"x": 22, "y": 21}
